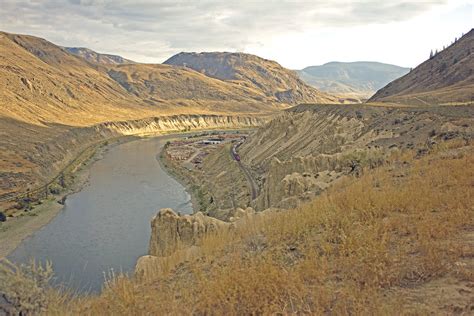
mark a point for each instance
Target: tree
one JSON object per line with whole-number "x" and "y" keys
{"x": 431, "y": 54}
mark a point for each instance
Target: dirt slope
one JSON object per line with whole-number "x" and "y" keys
{"x": 448, "y": 77}
{"x": 253, "y": 72}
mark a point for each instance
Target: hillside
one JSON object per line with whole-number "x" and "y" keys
{"x": 446, "y": 78}
{"x": 43, "y": 82}
{"x": 92, "y": 56}
{"x": 253, "y": 72}
{"x": 307, "y": 148}
{"x": 355, "y": 79}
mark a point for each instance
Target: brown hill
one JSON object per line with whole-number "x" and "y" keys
{"x": 446, "y": 78}
{"x": 255, "y": 73}
{"x": 92, "y": 56}
{"x": 41, "y": 82}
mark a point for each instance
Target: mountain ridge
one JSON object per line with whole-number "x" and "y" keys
{"x": 358, "y": 79}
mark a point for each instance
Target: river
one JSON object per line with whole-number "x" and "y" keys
{"x": 106, "y": 226}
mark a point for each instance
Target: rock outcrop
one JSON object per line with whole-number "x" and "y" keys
{"x": 179, "y": 236}
{"x": 171, "y": 232}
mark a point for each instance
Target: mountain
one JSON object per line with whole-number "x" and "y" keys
{"x": 252, "y": 72}
{"x": 42, "y": 82}
{"x": 95, "y": 57}
{"x": 355, "y": 79}
{"x": 446, "y": 78}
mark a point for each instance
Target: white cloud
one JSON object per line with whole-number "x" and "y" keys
{"x": 295, "y": 33}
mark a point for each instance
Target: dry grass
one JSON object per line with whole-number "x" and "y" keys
{"x": 393, "y": 241}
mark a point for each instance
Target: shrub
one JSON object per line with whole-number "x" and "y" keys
{"x": 22, "y": 290}
{"x": 55, "y": 188}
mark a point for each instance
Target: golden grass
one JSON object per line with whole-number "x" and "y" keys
{"x": 369, "y": 245}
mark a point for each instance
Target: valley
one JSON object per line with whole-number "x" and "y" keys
{"x": 222, "y": 183}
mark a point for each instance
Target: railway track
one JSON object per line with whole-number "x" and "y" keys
{"x": 252, "y": 184}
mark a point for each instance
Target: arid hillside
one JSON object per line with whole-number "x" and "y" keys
{"x": 306, "y": 149}
{"x": 446, "y": 78}
{"x": 42, "y": 82}
{"x": 253, "y": 72}
{"x": 92, "y": 56}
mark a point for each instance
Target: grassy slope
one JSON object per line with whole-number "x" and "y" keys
{"x": 397, "y": 240}
{"x": 447, "y": 78}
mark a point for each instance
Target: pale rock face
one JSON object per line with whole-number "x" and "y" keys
{"x": 171, "y": 232}
{"x": 297, "y": 180}
{"x": 174, "y": 236}
{"x": 241, "y": 214}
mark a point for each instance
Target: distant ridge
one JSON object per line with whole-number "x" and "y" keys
{"x": 359, "y": 79}
{"x": 446, "y": 78}
{"x": 253, "y": 72}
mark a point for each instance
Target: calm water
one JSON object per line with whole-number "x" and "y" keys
{"x": 107, "y": 224}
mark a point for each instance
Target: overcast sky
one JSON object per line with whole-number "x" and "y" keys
{"x": 294, "y": 33}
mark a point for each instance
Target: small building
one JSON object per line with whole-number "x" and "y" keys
{"x": 211, "y": 141}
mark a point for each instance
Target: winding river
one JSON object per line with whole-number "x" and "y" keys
{"x": 106, "y": 226}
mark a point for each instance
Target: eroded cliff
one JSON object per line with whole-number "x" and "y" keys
{"x": 304, "y": 150}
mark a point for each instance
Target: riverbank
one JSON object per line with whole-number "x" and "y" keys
{"x": 18, "y": 228}
{"x": 217, "y": 186}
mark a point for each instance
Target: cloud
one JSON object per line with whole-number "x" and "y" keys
{"x": 153, "y": 30}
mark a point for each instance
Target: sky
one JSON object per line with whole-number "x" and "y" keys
{"x": 294, "y": 33}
